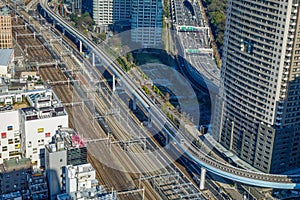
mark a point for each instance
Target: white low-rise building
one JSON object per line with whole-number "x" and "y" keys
{"x": 81, "y": 183}
{"x": 39, "y": 123}
{"x": 80, "y": 177}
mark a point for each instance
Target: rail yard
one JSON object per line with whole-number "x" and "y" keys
{"x": 56, "y": 69}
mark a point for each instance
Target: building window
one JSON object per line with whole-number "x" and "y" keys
{"x": 9, "y": 128}
{"x": 40, "y": 130}
{"x": 14, "y": 153}
{"x": 3, "y": 135}
{"x": 4, "y": 148}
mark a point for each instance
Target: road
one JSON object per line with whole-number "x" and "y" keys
{"x": 195, "y": 44}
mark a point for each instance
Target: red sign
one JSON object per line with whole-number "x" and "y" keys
{"x": 3, "y": 135}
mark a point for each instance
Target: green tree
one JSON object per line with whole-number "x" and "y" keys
{"x": 102, "y": 36}
{"x": 216, "y": 12}
{"x": 129, "y": 57}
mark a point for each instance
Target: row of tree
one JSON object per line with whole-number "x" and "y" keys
{"x": 216, "y": 12}
{"x": 83, "y": 22}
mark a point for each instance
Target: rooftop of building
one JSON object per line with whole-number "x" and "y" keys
{"x": 15, "y": 165}
{"x": 24, "y": 194}
{"x": 98, "y": 192}
{"x": 39, "y": 98}
{"x": 43, "y": 104}
{"x": 80, "y": 168}
{"x": 5, "y": 55}
{"x": 3, "y": 10}
{"x": 26, "y": 74}
{"x": 66, "y": 138}
{"x": 12, "y": 195}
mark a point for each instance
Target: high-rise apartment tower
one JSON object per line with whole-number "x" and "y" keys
{"x": 146, "y": 22}
{"x": 258, "y": 111}
{"x": 107, "y": 12}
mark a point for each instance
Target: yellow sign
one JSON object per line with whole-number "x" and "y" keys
{"x": 40, "y": 130}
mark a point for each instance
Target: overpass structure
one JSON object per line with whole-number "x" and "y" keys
{"x": 179, "y": 140}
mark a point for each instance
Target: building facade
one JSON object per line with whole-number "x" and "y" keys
{"x": 146, "y": 22}
{"x": 10, "y": 140}
{"x": 18, "y": 181}
{"x": 5, "y": 29}
{"x": 81, "y": 183}
{"x": 13, "y": 175}
{"x": 107, "y": 12}
{"x": 6, "y": 63}
{"x": 39, "y": 122}
{"x": 37, "y": 185}
{"x": 258, "y": 108}
{"x": 76, "y": 6}
{"x": 67, "y": 149}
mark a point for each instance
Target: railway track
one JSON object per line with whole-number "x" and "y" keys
{"x": 106, "y": 176}
{"x": 164, "y": 165}
{"x": 35, "y": 50}
{"x": 111, "y": 178}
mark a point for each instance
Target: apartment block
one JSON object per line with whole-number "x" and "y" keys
{"x": 146, "y": 22}
{"x": 37, "y": 185}
{"x": 258, "y": 111}
{"x": 107, "y": 12}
